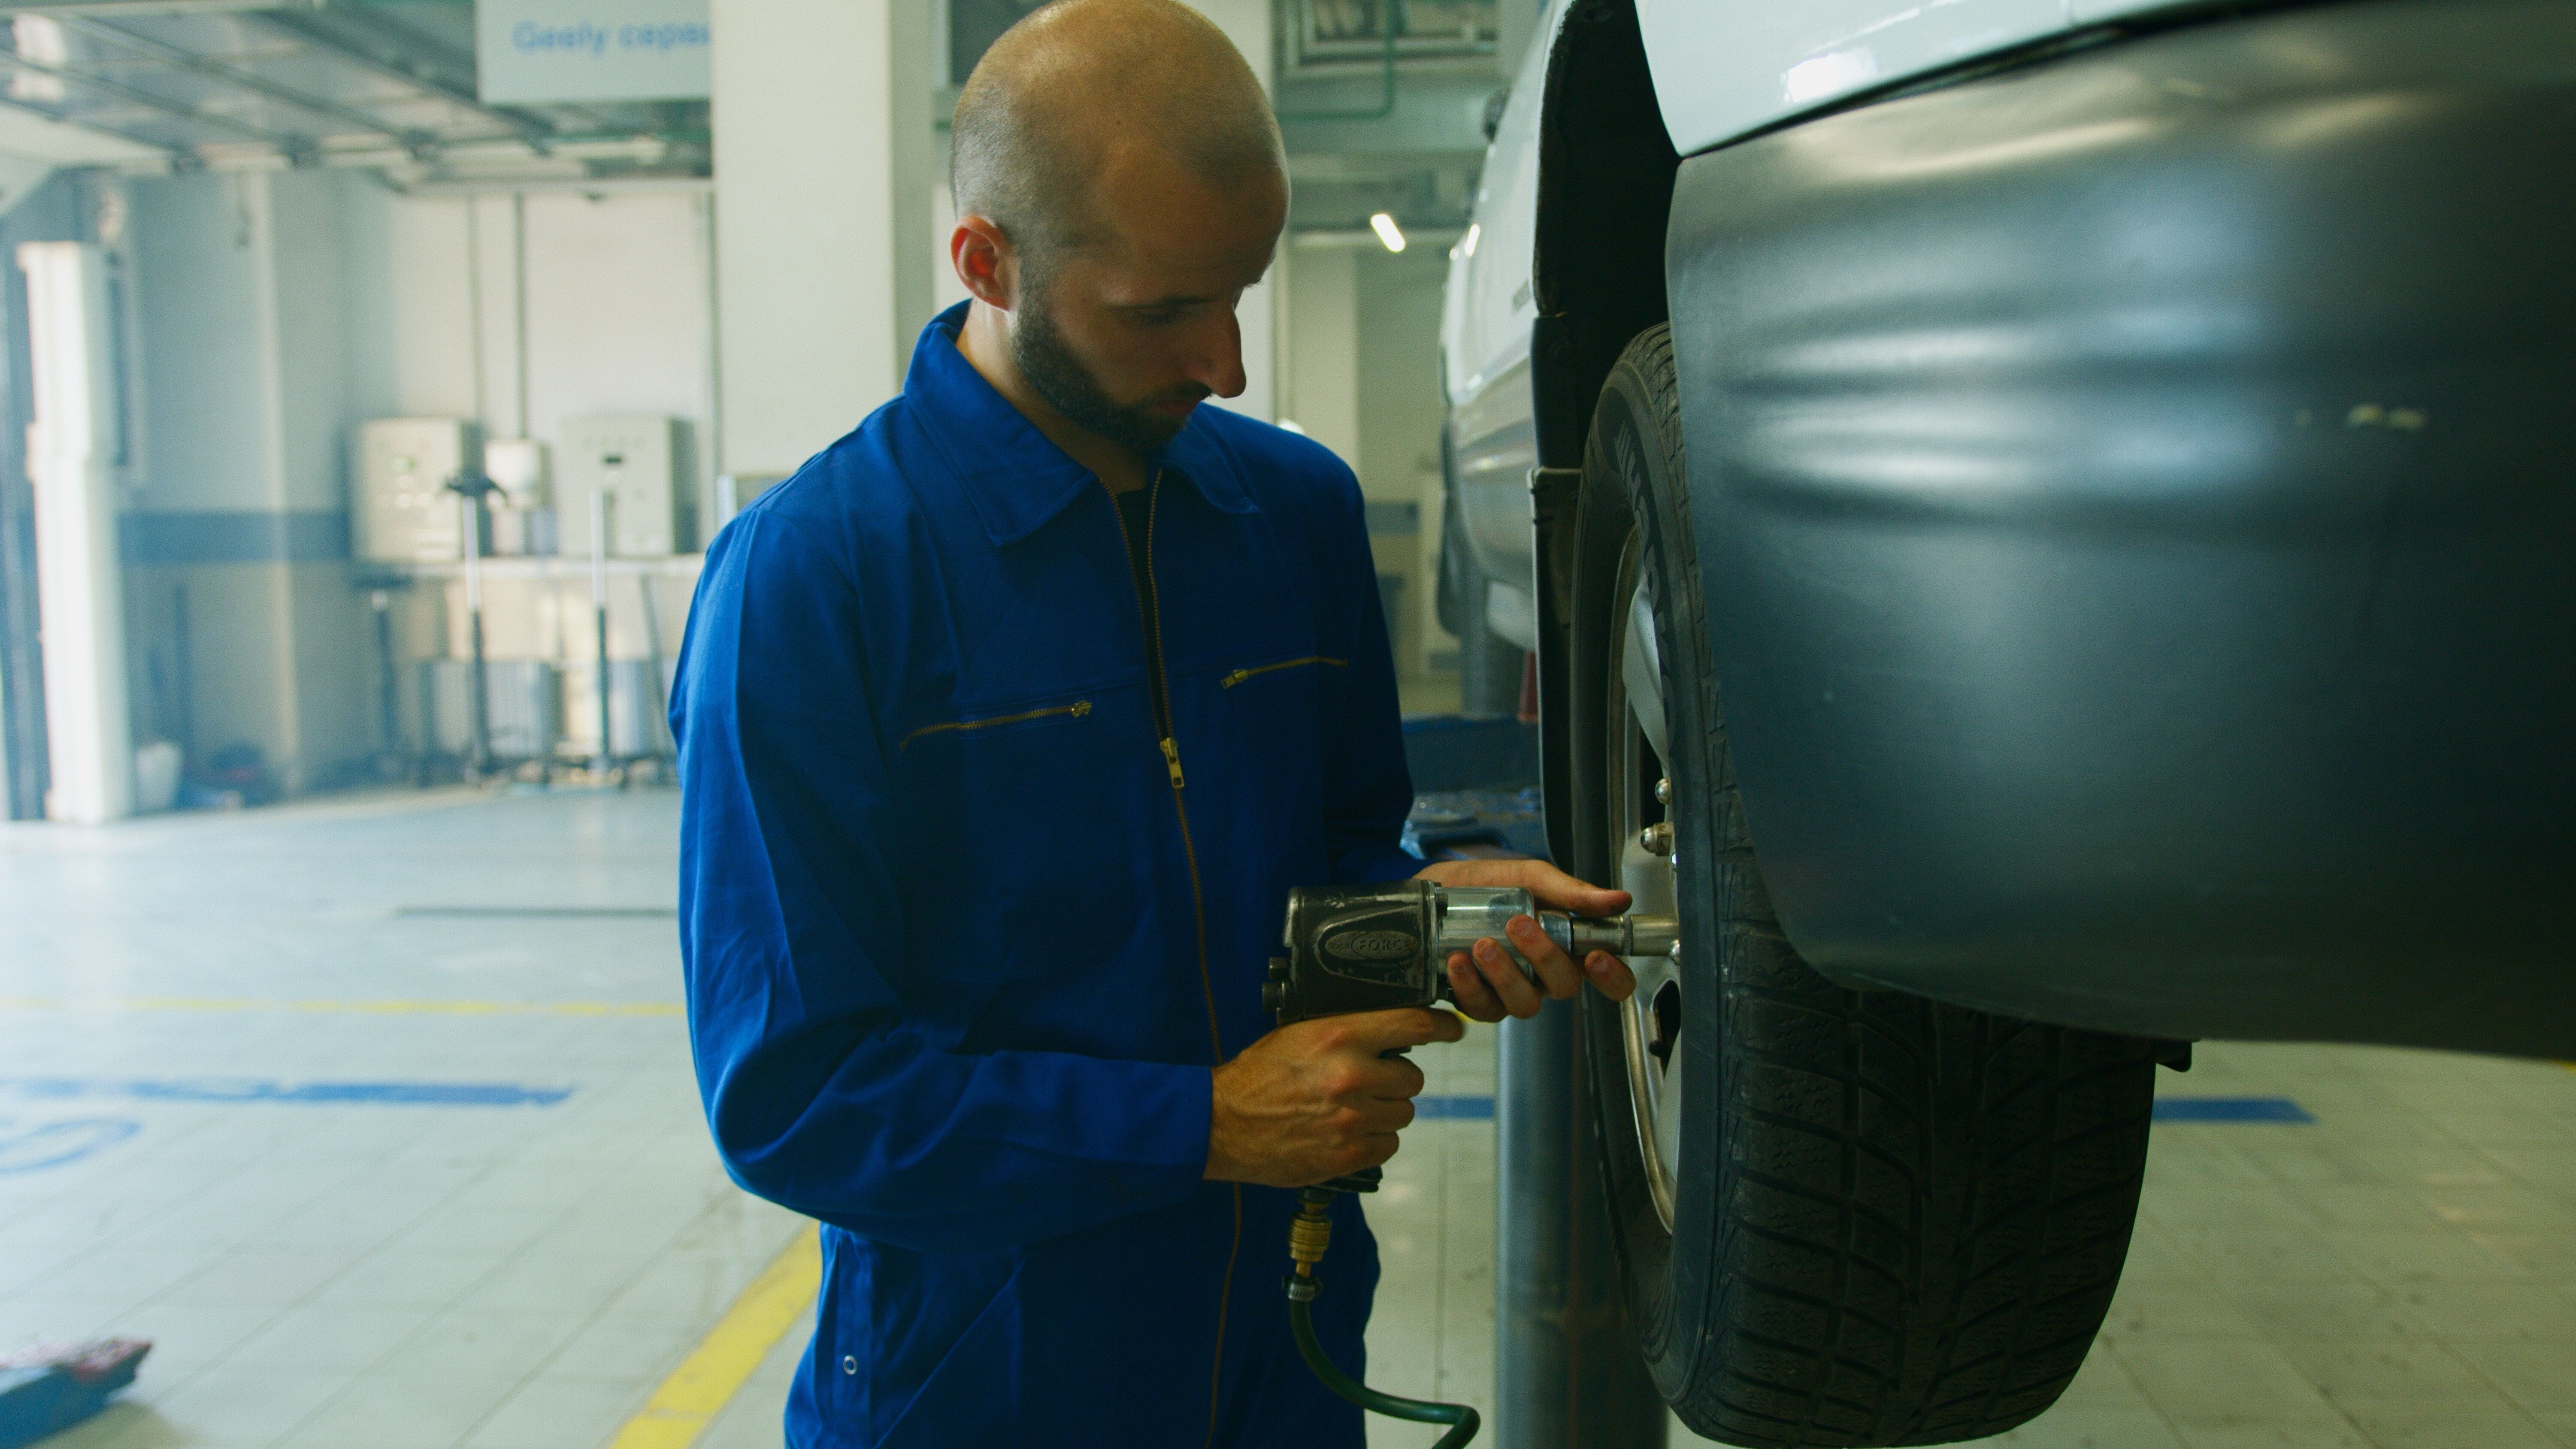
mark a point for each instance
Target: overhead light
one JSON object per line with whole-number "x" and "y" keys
{"x": 38, "y": 38}
{"x": 1387, "y": 231}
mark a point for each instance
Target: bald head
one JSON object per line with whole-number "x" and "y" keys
{"x": 1084, "y": 87}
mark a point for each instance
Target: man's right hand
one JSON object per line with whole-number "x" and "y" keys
{"x": 1316, "y": 1099}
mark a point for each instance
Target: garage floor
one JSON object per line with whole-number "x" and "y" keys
{"x": 377, "y": 1118}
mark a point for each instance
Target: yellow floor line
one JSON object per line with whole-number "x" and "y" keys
{"x": 715, "y": 1370}
{"x": 377, "y": 1007}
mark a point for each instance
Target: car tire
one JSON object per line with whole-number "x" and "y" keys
{"x": 1842, "y": 1217}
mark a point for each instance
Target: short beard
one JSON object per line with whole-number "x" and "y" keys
{"x": 1049, "y": 367}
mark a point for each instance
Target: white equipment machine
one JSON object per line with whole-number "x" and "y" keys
{"x": 522, "y": 523}
{"x": 619, "y": 474}
{"x": 400, "y": 509}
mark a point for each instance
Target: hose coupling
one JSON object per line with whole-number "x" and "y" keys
{"x": 1310, "y": 1232}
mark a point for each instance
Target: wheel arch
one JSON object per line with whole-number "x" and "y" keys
{"x": 1606, "y": 169}
{"x": 1605, "y": 193}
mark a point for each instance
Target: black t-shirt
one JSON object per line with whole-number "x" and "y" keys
{"x": 1136, "y": 511}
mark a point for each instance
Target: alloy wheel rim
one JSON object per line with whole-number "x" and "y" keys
{"x": 1649, "y": 1021}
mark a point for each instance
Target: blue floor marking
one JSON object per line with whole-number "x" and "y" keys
{"x": 53, "y": 1144}
{"x": 1455, "y": 1109}
{"x": 225, "y": 1089}
{"x": 2230, "y": 1109}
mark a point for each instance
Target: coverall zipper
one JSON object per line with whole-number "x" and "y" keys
{"x": 1149, "y": 605}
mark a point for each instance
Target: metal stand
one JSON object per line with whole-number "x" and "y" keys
{"x": 393, "y": 761}
{"x": 646, "y": 730}
{"x": 607, "y": 755}
{"x": 478, "y": 683}
{"x": 1566, "y": 1371}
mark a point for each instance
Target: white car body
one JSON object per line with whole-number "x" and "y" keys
{"x": 1722, "y": 71}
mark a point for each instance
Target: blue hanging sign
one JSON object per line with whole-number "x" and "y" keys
{"x": 545, "y": 52}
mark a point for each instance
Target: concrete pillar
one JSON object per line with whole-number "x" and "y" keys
{"x": 1516, "y": 23}
{"x": 71, "y": 459}
{"x": 822, "y": 117}
{"x": 1319, "y": 380}
{"x": 1247, "y": 24}
{"x": 1397, "y": 301}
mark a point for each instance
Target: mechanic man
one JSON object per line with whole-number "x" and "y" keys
{"x": 1005, "y": 726}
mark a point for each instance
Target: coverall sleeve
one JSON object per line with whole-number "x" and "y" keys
{"x": 822, "y": 1093}
{"x": 1367, "y": 790}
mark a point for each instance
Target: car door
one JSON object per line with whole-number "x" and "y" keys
{"x": 1486, "y": 353}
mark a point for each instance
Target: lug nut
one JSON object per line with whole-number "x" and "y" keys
{"x": 1657, "y": 838}
{"x": 1675, "y": 950}
{"x": 1664, "y": 791}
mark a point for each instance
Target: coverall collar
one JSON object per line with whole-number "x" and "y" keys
{"x": 1016, "y": 478}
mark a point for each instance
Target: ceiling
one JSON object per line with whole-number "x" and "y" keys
{"x": 241, "y": 85}
{"x": 1372, "y": 124}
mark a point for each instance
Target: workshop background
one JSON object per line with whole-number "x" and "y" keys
{"x": 340, "y": 1056}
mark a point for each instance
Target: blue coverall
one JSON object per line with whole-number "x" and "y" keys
{"x": 965, "y": 932}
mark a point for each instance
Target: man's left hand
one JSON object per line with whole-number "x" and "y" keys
{"x": 1487, "y": 985}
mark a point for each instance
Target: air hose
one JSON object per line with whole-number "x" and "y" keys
{"x": 1309, "y": 1233}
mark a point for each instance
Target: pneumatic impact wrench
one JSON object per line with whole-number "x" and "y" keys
{"x": 1376, "y": 948}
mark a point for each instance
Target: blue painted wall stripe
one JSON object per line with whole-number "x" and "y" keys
{"x": 2230, "y": 1109}
{"x": 228, "y": 1089}
{"x": 233, "y": 537}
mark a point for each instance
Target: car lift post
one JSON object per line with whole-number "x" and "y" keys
{"x": 1566, "y": 1370}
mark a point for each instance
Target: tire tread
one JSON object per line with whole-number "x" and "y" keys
{"x": 1922, "y": 1210}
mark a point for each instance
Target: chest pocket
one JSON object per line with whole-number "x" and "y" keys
{"x": 1251, "y": 672}
{"x": 1275, "y": 703}
{"x": 1268, "y": 709}
{"x": 1025, "y": 855}
{"x": 1079, "y": 709}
